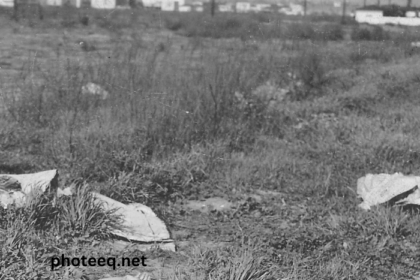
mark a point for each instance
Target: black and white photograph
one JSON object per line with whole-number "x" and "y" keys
{"x": 209, "y": 140}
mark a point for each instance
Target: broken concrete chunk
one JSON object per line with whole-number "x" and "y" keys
{"x": 14, "y": 188}
{"x": 412, "y": 198}
{"x": 140, "y": 223}
{"x": 35, "y": 181}
{"x": 8, "y": 183}
{"x": 376, "y": 189}
{"x": 18, "y": 198}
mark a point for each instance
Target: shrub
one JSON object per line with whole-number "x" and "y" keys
{"x": 331, "y": 32}
{"x": 364, "y": 34}
{"x": 300, "y": 31}
{"x": 312, "y": 73}
{"x": 173, "y": 23}
{"x": 379, "y": 51}
{"x": 249, "y": 26}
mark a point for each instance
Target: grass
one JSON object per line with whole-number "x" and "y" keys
{"x": 213, "y": 112}
{"x": 251, "y": 27}
{"x": 41, "y": 230}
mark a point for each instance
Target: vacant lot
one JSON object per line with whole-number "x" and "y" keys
{"x": 279, "y": 116}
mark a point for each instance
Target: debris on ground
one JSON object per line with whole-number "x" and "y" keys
{"x": 210, "y": 204}
{"x": 139, "y": 222}
{"x": 397, "y": 188}
{"x": 415, "y": 44}
{"x": 14, "y": 188}
{"x": 95, "y": 90}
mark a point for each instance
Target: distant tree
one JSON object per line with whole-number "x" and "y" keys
{"x": 40, "y": 10}
{"x": 15, "y": 10}
{"x": 132, "y": 4}
{"x": 343, "y": 18}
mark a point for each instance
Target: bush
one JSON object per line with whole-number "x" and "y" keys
{"x": 312, "y": 72}
{"x": 300, "y": 31}
{"x": 250, "y": 26}
{"x": 331, "y": 32}
{"x": 173, "y": 23}
{"x": 379, "y": 51}
{"x": 364, "y": 34}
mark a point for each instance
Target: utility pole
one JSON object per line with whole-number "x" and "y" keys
{"x": 343, "y": 18}
{"x": 364, "y": 3}
{"x": 15, "y": 10}
{"x": 379, "y": 2}
{"x": 305, "y": 5}
{"x": 408, "y": 3}
{"x": 213, "y": 7}
{"x": 40, "y": 10}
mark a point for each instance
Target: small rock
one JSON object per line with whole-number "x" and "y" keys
{"x": 256, "y": 214}
{"x": 215, "y": 203}
{"x": 95, "y": 90}
{"x": 376, "y": 189}
{"x": 181, "y": 234}
{"x": 284, "y": 225}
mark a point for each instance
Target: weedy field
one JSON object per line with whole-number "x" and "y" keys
{"x": 278, "y": 115}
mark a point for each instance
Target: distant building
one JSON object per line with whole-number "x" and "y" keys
{"x": 368, "y": 15}
{"x": 53, "y": 2}
{"x": 261, "y": 7}
{"x": 228, "y": 7}
{"x": 152, "y": 3}
{"x": 172, "y": 5}
{"x": 103, "y": 4}
{"x": 198, "y": 9}
{"x": 243, "y": 7}
{"x": 411, "y": 14}
{"x": 390, "y": 14}
{"x": 7, "y": 3}
{"x": 196, "y": 6}
{"x": 292, "y": 9}
{"x": 185, "y": 8}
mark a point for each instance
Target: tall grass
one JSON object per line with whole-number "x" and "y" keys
{"x": 153, "y": 108}
{"x": 163, "y": 99}
{"x": 43, "y": 229}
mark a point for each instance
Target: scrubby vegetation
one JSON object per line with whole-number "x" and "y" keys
{"x": 203, "y": 107}
{"x": 255, "y": 26}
